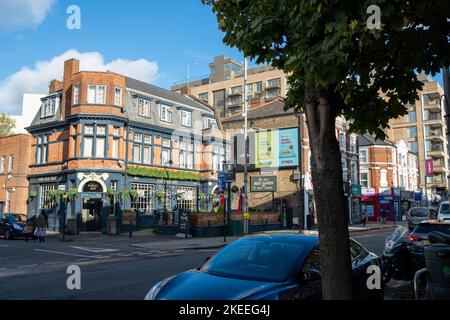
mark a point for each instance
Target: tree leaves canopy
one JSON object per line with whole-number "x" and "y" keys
{"x": 7, "y": 124}
{"x": 329, "y": 43}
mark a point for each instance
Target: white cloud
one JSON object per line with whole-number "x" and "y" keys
{"x": 37, "y": 78}
{"x": 19, "y": 14}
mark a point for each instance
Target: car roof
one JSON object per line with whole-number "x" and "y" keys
{"x": 435, "y": 222}
{"x": 309, "y": 240}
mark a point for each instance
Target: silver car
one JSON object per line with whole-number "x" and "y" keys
{"x": 419, "y": 214}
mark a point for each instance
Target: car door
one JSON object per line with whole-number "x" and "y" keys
{"x": 308, "y": 279}
{"x": 2, "y": 224}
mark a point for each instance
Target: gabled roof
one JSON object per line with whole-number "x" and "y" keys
{"x": 367, "y": 140}
{"x": 270, "y": 109}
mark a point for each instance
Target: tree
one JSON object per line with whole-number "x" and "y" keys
{"x": 7, "y": 124}
{"x": 340, "y": 65}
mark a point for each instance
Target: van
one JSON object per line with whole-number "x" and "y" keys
{"x": 444, "y": 211}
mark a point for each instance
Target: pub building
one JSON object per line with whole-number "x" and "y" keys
{"x": 101, "y": 139}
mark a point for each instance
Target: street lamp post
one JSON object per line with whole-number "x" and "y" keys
{"x": 245, "y": 114}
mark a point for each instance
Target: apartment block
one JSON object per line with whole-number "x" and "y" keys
{"x": 424, "y": 129}
{"x": 223, "y": 88}
{"x": 15, "y": 156}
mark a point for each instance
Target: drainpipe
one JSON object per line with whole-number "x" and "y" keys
{"x": 446, "y": 98}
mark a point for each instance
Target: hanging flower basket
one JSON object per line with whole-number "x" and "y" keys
{"x": 73, "y": 194}
{"x": 32, "y": 195}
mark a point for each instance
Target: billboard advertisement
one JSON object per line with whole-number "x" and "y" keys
{"x": 276, "y": 149}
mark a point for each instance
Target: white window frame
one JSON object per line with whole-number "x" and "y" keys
{"x": 2, "y": 164}
{"x": 118, "y": 96}
{"x": 365, "y": 151}
{"x": 166, "y": 112}
{"x": 96, "y": 95}
{"x": 183, "y": 115}
{"x": 76, "y": 95}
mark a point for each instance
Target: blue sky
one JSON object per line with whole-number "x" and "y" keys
{"x": 152, "y": 40}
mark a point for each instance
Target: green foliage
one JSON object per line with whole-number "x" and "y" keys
{"x": 7, "y": 124}
{"x": 111, "y": 194}
{"x": 327, "y": 43}
{"x": 133, "y": 195}
{"x": 73, "y": 194}
{"x": 32, "y": 195}
{"x": 163, "y": 174}
{"x": 55, "y": 196}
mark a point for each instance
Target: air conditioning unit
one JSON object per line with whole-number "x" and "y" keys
{"x": 297, "y": 176}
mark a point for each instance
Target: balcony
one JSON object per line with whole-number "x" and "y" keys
{"x": 433, "y": 107}
{"x": 234, "y": 93}
{"x": 273, "y": 84}
{"x": 437, "y": 181}
{"x": 435, "y": 135}
{"x": 435, "y": 150}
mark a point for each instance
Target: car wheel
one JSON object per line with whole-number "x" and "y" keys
{"x": 8, "y": 235}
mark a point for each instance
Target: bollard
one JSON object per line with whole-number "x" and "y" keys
{"x": 131, "y": 229}
{"x": 209, "y": 228}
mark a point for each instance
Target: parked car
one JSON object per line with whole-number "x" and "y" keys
{"x": 12, "y": 225}
{"x": 419, "y": 214}
{"x": 420, "y": 233}
{"x": 444, "y": 211}
{"x": 270, "y": 266}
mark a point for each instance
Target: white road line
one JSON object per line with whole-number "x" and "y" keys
{"x": 5, "y": 246}
{"x": 178, "y": 250}
{"x": 95, "y": 250}
{"x": 207, "y": 250}
{"x": 3, "y": 269}
{"x": 83, "y": 259}
{"x": 27, "y": 266}
{"x": 53, "y": 262}
{"x": 69, "y": 254}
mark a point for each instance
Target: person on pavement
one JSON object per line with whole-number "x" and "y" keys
{"x": 41, "y": 226}
{"x": 30, "y": 228}
{"x": 363, "y": 217}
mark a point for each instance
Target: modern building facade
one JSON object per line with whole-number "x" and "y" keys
{"x": 99, "y": 135}
{"x": 292, "y": 182}
{"x": 223, "y": 87}
{"x": 15, "y": 154}
{"x": 424, "y": 130}
{"x": 389, "y": 177}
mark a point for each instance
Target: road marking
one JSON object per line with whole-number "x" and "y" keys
{"x": 68, "y": 254}
{"x": 181, "y": 250}
{"x": 207, "y": 250}
{"x": 4, "y": 269}
{"x": 83, "y": 259}
{"x": 27, "y": 266}
{"x": 53, "y": 262}
{"x": 5, "y": 246}
{"x": 95, "y": 250}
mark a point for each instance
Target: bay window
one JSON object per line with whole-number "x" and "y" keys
{"x": 97, "y": 94}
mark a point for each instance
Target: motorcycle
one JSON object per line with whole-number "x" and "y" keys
{"x": 401, "y": 258}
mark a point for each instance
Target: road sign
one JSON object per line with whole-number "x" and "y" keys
{"x": 246, "y": 216}
{"x": 222, "y": 181}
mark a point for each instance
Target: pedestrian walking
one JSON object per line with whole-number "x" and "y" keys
{"x": 30, "y": 228}
{"x": 41, "y": 226}
{"x": 363, "y": 217}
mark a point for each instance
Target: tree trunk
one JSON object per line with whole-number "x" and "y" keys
{"x": 329, "y": 194}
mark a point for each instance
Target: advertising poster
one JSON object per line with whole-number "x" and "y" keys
{"x": 277, "y": 149}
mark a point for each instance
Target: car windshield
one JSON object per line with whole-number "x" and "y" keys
{"x": 430, "y": 227}
{"x": 260, "y": 259}
{"x": 445, "y": 208}
{"x": 419, "y": 212}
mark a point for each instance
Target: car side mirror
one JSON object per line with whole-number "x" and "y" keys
{"x": 314, "y": 275}
{"x": 204, "y": 262}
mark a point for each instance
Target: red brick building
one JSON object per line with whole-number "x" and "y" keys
{"x": 15, "y": 156}
{"x": 102, "y": 133}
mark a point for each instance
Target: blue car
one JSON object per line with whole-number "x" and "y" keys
{"x": 12, "y": 225}
{"x": 273, "y": 266}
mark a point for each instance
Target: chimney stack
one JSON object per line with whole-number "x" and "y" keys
{"x": 71, "y": 67}
{"x": 55, "y": 86}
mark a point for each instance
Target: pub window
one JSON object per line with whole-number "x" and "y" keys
{"x": 42, "y": 149}
{"x": 45, "y": 202}
{"x": 186, "y": 198}
{"x": 94, "y": 141}
{"x": 145, "y": 201}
